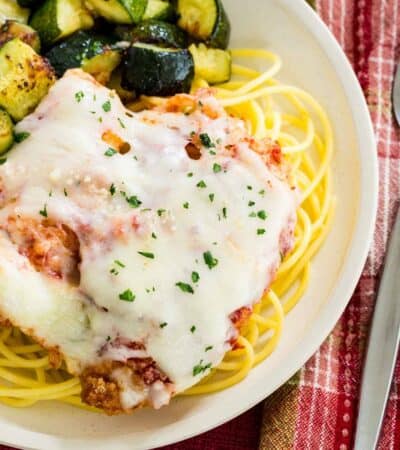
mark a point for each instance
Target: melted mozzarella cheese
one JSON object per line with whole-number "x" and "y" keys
{"x": 149, "y": 222}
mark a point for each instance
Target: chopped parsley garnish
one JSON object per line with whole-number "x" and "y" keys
{"x": 51, "y": 194}
{"x": 114, "y": 271}
{"x": 132, "y": 200}
{"x": 160, "y": 212}
{"x": 218, "y": 141}
{"x": 253, "y": 214}
{"x": 260, "y": 231}
{"x": 100, "y": 119}
{"x": 79, "y": 96}
{"x": 192, "y": 329}
{"x": 195, "y": 277}
{"x": 210, "y": 260}
{"x": 108, "y": 338}
{"x": 262, "y": 215}
{"x": 121, "y": 123}
{"x": 249, "y": 188}
{"x": 110, "y": 152}
{"x": 262, "y": 192}
{"x": 21, "y": 136}
{"x": 2, "y": 161}
{"x": 205, "y": 140}
{"x": 208, "y": 348}
{"x": 65, "y": 192}
{"x": 153, "y": 235}
{"x": 147, "y": 255}
{"x": 211, "y": 197}
{"x": 199, "y": 368}
{"x": 212, "y": 152}
{"x": 190, "y": 174}
{"x": 43, "y": 212}
{"x": 192, "y": 133}
{"x": 127, "y": 296}
{"x": 106, "y": 106}
{"x": 153, "y": 289}
{"x": 119, "y": 263}
{"x": 164, "y": 324}
{"x": 224, "y": 212}
{"x": 185, "y": 287}
{"x": 186, "y": 205}
{"x": 217, "y": 168}
{"x": 201, "y": 184}
{"x": 112, "y": 189}
{"x": 251, "y": 203}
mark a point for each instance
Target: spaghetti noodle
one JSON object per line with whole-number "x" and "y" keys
{"x": 285, "y": 114}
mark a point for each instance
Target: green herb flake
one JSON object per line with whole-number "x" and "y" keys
{"x": 262, "y": 192}
{"x": 190, "y": 174}
{"x": 260, "y": 231}
{"x": 206, "y": 140}
{"x": 211, "y": 197}
{"x": 192, "y": 329}
{"x": 121, "y": 123}
{"x": 224, "y": 213}
{"x": 2, "y": 161}
{"x": 253, "y": 214}
{"x": 185, "y": 287}
{"x": 79, "y": 96}
{"x": 251, "y": 203}
{"x": 208, "y": 348}
{"x": 127, "y": 296}
{"x": 119, "y": 263}
{"x": 147, "y": 255}
{"x": 160, "y": 212}
{"x": 65, "y": 193}
{"x": 163, "y": 325}
{"x": 133, "y": 201}
{"x": 100, "y": 119}
{"x": 43, "y": 212}
{"x": 201, "y": 184}
{"x": 195, "y": 277}
{"x": 153, "y": 235}
{"x": 218, "y": 141}
{"x": 212, "y": 152}
{"x": 217, "y": 168}
{"x": 186, "y": 205}
{"x": 250, "y": 188}
{"x": 200, "y": 368}
{"x": 112, "y": 189}
{"x": 108, "y": 338}
{"x": 106, "y": 106}
{"x": 110, "y": 152}
{"x": 282, "y": 256}
{"x": 210, "y": 260}
{"x": 21, "y": 136}
{"x": 262, "y": 215}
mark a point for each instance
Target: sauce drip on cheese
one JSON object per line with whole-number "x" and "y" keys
{"x": 179, "y": 224}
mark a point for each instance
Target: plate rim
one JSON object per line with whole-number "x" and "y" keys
{"x": 357, "y": 253}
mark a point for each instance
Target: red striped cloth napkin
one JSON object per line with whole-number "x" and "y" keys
{"x": 317, "y": 408}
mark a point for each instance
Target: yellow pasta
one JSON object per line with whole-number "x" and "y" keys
{"x": 299, "y": 124}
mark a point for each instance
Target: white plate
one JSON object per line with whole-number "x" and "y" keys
{"x": 313, "y": 60}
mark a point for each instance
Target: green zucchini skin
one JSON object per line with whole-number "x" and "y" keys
{"x": 222, "y": 30}
{"x": 12, "y": 29}
{"x": 6, "y": 131}
{"x": 160, "y": 10}
{"x": 154, "y": 32}
{"x": 156, "y": 71}
{"x": 29, "y": 3}
{"x": 76, "y": 49}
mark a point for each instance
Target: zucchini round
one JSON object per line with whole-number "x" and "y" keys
{"x": 205, "y": 20}
{"x": 88, "y": 50}
{"x": 6, "y": 131}
{"x": 12, "y": 29}
{"x": 57, "y": 19}
{"x": 152, "y": 70}
{"x": 120, "y": 11}
{"x": 154, "y": 32}
{"x": 211, "y": 64}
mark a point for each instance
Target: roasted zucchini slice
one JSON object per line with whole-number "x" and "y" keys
{"x": 11, "y": 10}
{"x": 57, "y": 19}
{"x": 152, "y": 70}
{"x": 211, "y": 64}
{"x": 120, "y": 11}
{"x": 6, "y": 131}
{"x": 12, "y": 29}
{"x": 25, "y": 78}
{"x": 160, "y": 10}
{"x": 154, "y": 32}
{"x": 205, "y": 20}
{"x": 91, "y": 51}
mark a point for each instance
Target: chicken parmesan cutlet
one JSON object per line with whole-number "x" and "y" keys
{"x": 135, "y": 245}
